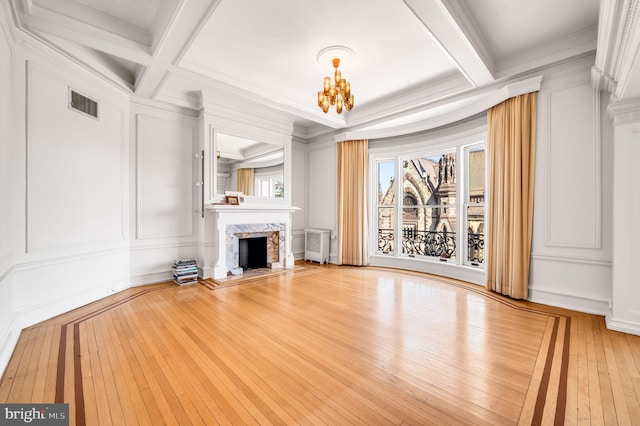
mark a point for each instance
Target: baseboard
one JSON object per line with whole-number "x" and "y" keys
{"x": 622, "y": 326}
{"x": 150, "y": 278}
{"x": 576, "y": 302}
{"x": 31, "y": 315}
{"x": 9, "y": 339}
{"x": 205, "y": 272}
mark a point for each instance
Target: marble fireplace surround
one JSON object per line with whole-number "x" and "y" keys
{"x": 225, "y": 224}
{"x": 275, "y": 242}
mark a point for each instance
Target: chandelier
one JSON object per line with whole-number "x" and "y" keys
{"x": 338, "y": 94}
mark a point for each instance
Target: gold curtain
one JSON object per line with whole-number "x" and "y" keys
{"x": 245, "y": 181}
{"x": 511, "y": 144}
{"x": 352, "y": 202}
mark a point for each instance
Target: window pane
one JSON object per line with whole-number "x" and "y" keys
{"x": 386, "y": 176}
{"x": 279, "y": 188}
{"x": 264, "y": 188}
{"x": 476, "y": 175}
{"x": 429, "y": 231}
{"x": 430, "y": 180}
{"x": 475, "y": 234}
{"x": 386, "y": 225}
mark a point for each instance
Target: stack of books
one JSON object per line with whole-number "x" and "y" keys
{"x": 185, "y": 271}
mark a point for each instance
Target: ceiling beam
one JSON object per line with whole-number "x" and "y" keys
{"x": 187, "y": 22}
{"x": 451, "y": 27}
{"x": 46, "y": 21}
{"x": 82, "y": 13}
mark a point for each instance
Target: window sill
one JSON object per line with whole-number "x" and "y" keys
{"x": 445, "y": 269}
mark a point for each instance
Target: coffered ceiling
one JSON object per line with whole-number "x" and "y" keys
{"x": 409, "y": 54}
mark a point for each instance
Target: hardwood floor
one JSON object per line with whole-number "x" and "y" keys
{"x": 327, "y": 345}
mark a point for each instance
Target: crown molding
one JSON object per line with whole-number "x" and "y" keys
{"x": 8, "y": 22}
{"x": 625, "y": 112}
{"x": 628, "y": 49}
{"x": 618, "y": 48}
{"x": 480, "y": 102}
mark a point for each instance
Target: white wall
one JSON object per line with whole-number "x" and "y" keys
{"x": 323, "y": 174}
{"x": 5, "y": 147}
{"x": 571, "y": 256}
{"x": 625, "y": 313}
{"x": 7, "y": 334}
{"x": 299, "y": 195}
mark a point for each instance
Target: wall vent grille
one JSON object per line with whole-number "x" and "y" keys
{"x": 83, "y": 104}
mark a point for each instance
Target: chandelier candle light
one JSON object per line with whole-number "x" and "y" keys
{"x": 340, "y": 93}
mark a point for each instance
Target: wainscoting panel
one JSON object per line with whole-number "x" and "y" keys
{"x": 573, "y": 168}
{"x": 164, "y": 177}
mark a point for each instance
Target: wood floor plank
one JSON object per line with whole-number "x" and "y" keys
{"x": 38, "y": 387}
{"x": 25, "y": 375}
{"x": 605, "y": 388}
{"x": 9, "y": 375}
{"x": 622, "y": 416}
{"x": 582, "y": 414}
{"x": 329, "y": 345}
{"x": 133, "y": 406}
{"x": 626, "y": 372}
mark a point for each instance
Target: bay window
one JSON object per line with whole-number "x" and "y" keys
{"x": 439, "y": 212}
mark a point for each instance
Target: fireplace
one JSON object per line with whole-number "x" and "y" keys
{"x": 267, "y": 237}
{"x": 221, "y": 253}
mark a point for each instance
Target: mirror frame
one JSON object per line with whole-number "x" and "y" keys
{"x": 247, "y": 132}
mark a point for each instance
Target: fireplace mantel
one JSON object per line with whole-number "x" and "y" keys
{"x": 251, "y": 208}
{"x": 223, "y": 221}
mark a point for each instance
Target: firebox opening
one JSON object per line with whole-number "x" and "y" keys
{"x": 252, "y": 253}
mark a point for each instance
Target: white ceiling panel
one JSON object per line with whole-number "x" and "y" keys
{"x": 270, "y": 48}
{"x": 511, "y": 26}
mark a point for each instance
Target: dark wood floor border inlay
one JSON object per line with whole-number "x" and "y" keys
{"x": 564, "y": 375}
{"x": 76, "y": 362}
{"x": 546, "y": 375}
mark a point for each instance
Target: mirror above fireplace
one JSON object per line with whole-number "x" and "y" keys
{"x": 253, "y": 167}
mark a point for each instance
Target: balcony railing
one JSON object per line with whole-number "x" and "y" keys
{"x": 385, "y": 240}
{"x": 432, "y": 243}
{"x": 429, "y": 243}
{"x": 475, "y": 248}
